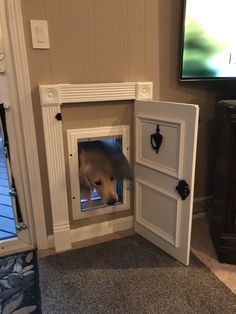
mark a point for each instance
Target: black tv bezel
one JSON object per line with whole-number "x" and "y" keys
{"x": 199, "y": 78}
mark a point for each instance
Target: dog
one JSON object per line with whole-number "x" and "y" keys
{"x": 100, "y": 165}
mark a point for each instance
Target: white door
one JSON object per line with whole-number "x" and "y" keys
{"x": 165, "y": 154}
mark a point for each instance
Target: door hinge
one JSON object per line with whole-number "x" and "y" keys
{"x": 183, "y": 189}
{"x": 12, "y": 192}
{"x": 21, "y": 226}
{"x": 6, "y": 152}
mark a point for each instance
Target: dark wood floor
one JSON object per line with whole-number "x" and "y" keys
{"x": 7, "y": 222}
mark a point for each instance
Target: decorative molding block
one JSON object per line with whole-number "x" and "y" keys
{"x": 144, "y": 91}
{"x": 49, "y": 95}
{"x": 62, "y": 237}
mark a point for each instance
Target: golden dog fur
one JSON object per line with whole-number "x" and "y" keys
{"x": 100, "y": 164}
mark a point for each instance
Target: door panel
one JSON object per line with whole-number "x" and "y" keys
{"x": 161, "y": 215}
{"x": 161, "y": 221}
{"x": 169, "y": 156}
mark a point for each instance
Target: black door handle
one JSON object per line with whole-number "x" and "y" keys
{"x": 156, "y": 139}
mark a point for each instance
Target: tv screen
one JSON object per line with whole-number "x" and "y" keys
{"x": 208, "y": 48}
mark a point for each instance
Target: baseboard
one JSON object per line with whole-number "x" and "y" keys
{"x": 203, "y": 210}
{"x": 202, "y": 199}
{"x": 97, "y": 230}
{"x": 62, "y": 237}
{"x": 50, "y": 241}
{"x": 199, "y": 215}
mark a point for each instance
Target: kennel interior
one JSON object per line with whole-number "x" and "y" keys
{"x": 114, "y": 135}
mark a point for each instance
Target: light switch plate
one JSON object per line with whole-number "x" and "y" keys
{"x": 39, "y": 33}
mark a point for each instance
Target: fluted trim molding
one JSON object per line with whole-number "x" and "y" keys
{"x": 57, "y": 176}
{"x": 74, "y": 93}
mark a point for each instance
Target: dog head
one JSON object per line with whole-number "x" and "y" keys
{"x": 100, "y": 165}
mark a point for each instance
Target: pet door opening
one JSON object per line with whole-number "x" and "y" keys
{"x": 97, "y": 202}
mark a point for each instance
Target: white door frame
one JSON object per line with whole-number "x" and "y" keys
{"x": 20, "y": 103}
{"x": 51, "y": 98}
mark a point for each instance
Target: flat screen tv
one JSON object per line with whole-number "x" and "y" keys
{"x": 208, "y": 49}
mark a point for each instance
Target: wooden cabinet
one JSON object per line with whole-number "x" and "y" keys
{"x": 223, "y": 217}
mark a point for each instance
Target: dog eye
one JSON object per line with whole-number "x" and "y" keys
{"x": 98, "y": 182}
{"x": 111, "y": 178}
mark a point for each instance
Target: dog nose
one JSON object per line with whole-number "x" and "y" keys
{"x": 112, "y": 201}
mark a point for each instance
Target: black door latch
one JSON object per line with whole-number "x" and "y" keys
{"x": 183, "y": 189}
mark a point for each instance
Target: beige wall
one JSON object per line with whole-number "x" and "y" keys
{"x": 116, "y": 41}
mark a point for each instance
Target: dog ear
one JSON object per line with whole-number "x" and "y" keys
{"x": 121, "y": 167}
{"x": 120, "y": 164}
{"x": 86, "y": 181}
{"x": 83, "y": 170}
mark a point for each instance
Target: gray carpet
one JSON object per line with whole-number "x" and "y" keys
{"x": 129, "y": 275}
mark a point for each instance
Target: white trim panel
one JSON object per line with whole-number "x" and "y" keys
{"x": 74, "y": 93}
{"x": 176, "y": 173}
{"x": 97, "y": 230}
{"x": 139, "y": 219}
{"x": 101, "y": 229}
